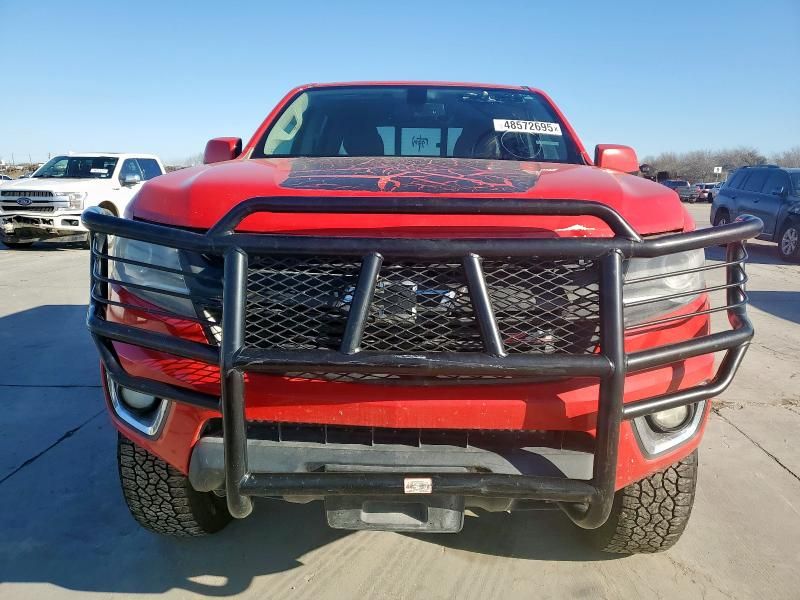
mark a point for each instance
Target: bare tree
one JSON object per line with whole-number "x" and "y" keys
{"x": 193, "y": 160}
{"x": 740, "y": 157}
{"x": 698, "y": 165}
{"x": 788, "y": 158}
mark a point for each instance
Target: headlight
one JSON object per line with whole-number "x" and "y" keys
{"x": 670, "y": 419}
{"x": 75, "y": 198}
{"x": 165, "y": 288}
{"x": 648, "y": 279}
{"x": 137, "y": 400}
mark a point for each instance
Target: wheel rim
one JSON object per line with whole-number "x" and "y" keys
{"x": 789, "y": 241}
{"x": 722, "y": 221}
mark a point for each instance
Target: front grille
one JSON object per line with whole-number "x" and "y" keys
{"x": 545, "y": 306}
{"x": 27, "y": 193}
{"x": 421, "y": 308}
{"x": 503, "y": 439}
{"x": 30, "y": 208}
{"x": 541, "y": 306}
{"x": 298, "y": 303}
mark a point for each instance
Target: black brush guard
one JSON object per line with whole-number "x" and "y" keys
{"x": 588, "y": 503}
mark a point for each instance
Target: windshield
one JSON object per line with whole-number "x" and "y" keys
{"x": 77, "y": 167}
{"x": 420, "y": 121}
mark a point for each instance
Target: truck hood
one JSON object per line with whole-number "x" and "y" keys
{"x": 56, "y": 184}
{"x": 198, "y": 197}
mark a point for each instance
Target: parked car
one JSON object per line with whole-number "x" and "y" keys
{"x": 418, "y": 319}
{"x": 686, "y": 191}
{"x": 770, "y": 193}
{"x": 48, "y": 204}
{"x": 707, "y": 191}
{"x": 4, "y": 177}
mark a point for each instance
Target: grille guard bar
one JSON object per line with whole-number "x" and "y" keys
{"x": 588, "y": 503}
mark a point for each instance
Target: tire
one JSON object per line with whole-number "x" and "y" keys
{"x": 18, "y": 245}
{"x": 109, "y": 207}
{"x": 650, "y": 515}
{"x": 723, "y": 217}
{"x": 161, "y": 498}
{"x": 789, "y": 242}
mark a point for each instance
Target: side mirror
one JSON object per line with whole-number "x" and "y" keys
{"x": 781, "y": 192}
{"x": 616, "y": 158}
{"x": 220, "y": 149}
{"x": 131, "y": 179}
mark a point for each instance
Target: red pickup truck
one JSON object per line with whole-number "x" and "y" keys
{"x": 408, "y": 299}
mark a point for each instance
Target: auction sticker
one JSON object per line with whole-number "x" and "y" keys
{"x": 536, "y": 127}
{"x": 417, "y": 485}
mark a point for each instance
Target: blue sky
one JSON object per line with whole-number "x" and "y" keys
{"x": 164, "y": 76}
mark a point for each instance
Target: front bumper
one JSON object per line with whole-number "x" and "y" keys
{"x": 207, "y": 470}
{"x": 587, "y": 501}
{"x": 35, "y": 227}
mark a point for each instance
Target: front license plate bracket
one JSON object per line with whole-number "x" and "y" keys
{"x": 423, "y": 513}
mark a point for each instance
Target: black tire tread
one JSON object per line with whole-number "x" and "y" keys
{"x": 794, "y": 256}
{"x": 720, "y": 212}
{"x": 161, "y": 498}
{"x": 651, "y": 514}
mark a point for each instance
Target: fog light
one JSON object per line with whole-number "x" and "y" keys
{"x": 670, "y": 419}
{"x": 137, "y": 400}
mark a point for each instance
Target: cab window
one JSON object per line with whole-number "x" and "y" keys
{"x": 130, "y": 167}
{"x": 776, "y": 183}
{"x": 735, "y": 182}
{"x": 150, "y": 168}
{"x": 755, "y": 182}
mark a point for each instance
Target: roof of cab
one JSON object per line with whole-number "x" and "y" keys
{"x": 113, "y": 154}
{"x": 419, "y": 83}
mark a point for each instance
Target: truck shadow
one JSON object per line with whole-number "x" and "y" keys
{"x": 758, "y": 253}
{"x": 44, "y": 247}
{"x": 532, "y": 535}
{"x": 47, "y": 346}
{"x": 117, "y": 557}
{"x": 64, "y": 522}
{"x": 784, "y": 305}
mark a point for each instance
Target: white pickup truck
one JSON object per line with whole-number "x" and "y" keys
{"x": 48, "y": 204}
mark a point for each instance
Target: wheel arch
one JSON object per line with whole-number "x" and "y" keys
{"x": 788, "y": 219}
{"x": 726, "y": 207}
{"x": 720, "y": 208}
{"x": 110, "y": 206}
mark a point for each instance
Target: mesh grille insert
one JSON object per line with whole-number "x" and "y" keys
{"x": 541, "y": 306}
{"x": 296, "y": 303}
{"x": 545, "y": 306}
{"x": 421, "y": 308}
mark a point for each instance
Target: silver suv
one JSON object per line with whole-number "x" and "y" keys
{"x": 686, "y": 191}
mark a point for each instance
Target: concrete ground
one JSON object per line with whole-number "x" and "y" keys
{"x": 65, "y": 532}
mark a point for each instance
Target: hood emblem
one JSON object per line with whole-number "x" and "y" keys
{"x": 24, "y": 201}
